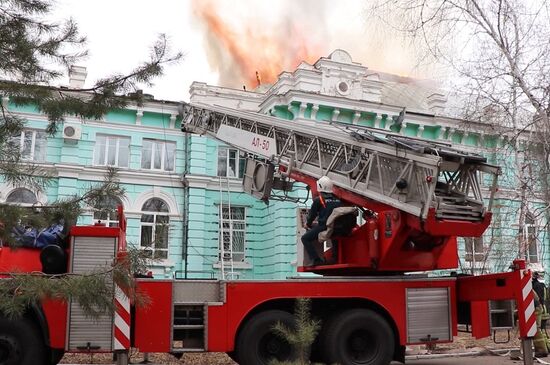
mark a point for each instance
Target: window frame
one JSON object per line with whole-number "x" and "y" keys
{"x": 163, "y": 159}
{"x": 112, "y": 215}
{"x": 106, "y": 151}
{"x": 474, "y": 249}
{"x": 241, "y": 255}
{"x": 37, "y": 201}
{"x": 531, "y": 242}
{"x": 154, "y": 232}
{"x": 239, "y": 156}
{"x": 34, "y": 139}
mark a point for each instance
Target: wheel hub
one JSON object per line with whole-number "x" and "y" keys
{"x": 362, "y": 348}
{"x": 273, "y": 347}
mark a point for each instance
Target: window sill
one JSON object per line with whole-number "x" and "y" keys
{"x": 236, "y": 265}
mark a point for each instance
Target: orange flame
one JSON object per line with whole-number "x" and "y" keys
{"x": 254, "y": 47}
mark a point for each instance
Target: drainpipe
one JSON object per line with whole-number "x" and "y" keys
{"x": 185, "y": 236}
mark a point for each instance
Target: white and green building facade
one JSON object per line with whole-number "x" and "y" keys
{"x": 191, "y": 184}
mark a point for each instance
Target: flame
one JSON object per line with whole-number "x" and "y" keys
{"x": 239, "y": 51}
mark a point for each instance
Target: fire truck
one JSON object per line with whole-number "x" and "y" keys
{"x": 375, "y": 295}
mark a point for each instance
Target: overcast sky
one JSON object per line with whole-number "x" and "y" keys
{"x": 119, "y": 34}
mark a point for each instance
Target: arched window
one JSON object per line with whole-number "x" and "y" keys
{"x": 22, "y": 196}
{"x": 107, "y": 213}
{"x": 154, "y": 228}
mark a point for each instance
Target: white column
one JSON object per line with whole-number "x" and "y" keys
{"x": 389, "y": 122}
{"x": 464, "y": 137}
{"x": 403, "y": 127}
{"x": 5, "y": 101}
{"x": 335, "y": 114}
{"x": 356, "y": 117}
{"x": 420, "y": 130}
{"x": 314, "y": 110}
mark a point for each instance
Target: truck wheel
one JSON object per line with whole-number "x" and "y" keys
{"x": 56, "y": 356}
{"x": 257, "y": 344}
{"x": 358, "y": 337}
{"x": 20, "y": 343}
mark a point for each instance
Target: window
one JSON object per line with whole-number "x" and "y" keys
{"x": 111, "y": 151}
{"x": 22, "y": 196}
{"x": 158, "y": 155}
{"x": 107, "y": 213}
{"x": 232, "y": 228}
{"x": 530, "y": 249}
{"x": 154, "y": 228}
{"x": 231, "y": 162}
{"x": 475, "y": 252}
{"x": 32, "y": 145}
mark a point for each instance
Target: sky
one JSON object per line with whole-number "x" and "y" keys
{"x": 226, "y": 42}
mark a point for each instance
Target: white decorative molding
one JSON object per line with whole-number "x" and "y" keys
{"x": 314, "y": 110}
{"x": 420, "y": 130}
{"x": 451, "y": 132}
{"x": 335, "y": 114}
{"x": 139, "y": 116}
{"x": 5, "y": 101}
{"x": 378, "y": 120}
{"x": 157, "y": 192}
{"x": 303, "y": 107}
{"x": 356, "y": 117}
{"x": 173, "y": 118}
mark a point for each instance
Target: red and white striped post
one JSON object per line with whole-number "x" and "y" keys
{"x": 526, "y": 312}
{"x": 121, "y": 333}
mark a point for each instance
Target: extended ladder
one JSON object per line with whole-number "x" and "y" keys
{"x": 410, "y": 174}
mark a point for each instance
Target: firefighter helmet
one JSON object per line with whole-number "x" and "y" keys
{"x": 324, "y": 185}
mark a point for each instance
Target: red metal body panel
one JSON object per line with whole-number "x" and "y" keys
{"x": 23, "y": 259}
{"x": 153, "y": 322}
{"x": 95, "y": 231}
{"x": 501, "y": 286}
{"x": 243, "y": 297}
{"x": 56, "y": 318}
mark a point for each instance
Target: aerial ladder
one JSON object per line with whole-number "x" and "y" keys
{"x": 419, "y": 194}
{"x": 373, "y": 300}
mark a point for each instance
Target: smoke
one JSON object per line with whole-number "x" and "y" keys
{"x": 249, "y": 38}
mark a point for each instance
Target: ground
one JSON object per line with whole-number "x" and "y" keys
{"x": 462, "y": 343}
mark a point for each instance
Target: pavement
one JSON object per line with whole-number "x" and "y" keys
{"x": 462, "y": 360}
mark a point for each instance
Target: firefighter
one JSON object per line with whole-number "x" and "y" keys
{"x": 539, "y": 289}
{"x": 321, "y": 208}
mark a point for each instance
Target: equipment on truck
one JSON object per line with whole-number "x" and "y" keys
{"x": 417, "y": 196}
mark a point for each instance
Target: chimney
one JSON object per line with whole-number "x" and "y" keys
{"x": 77, "y": 77}
{"x": 437, "y": 102}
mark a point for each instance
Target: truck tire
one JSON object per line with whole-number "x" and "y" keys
{"x": 358, "y": 337}
{"x": 20, "y": 343}
{"x": 257, "y": 344}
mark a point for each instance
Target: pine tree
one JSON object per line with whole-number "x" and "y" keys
{"x": 34, "y": 55}
{"x": 302, "y": 335}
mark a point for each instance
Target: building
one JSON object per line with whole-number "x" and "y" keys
{"x": 184, "y": 201}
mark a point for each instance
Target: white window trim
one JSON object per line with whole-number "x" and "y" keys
{"x": 153, "y": 224}
{"x": 33, "y": 144}
{"x": 163, "y": 156}
{"x": 117, "y": 150}
{"x": 527, "y": 251}
{"x": 234, "y": 263}
{"x": 473, "y": 254}
{"x": 237, "y": 162}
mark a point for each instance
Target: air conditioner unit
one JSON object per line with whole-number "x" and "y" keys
{"x": 72, "y": 132}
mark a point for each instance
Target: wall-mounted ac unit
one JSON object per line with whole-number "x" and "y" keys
{"x": 72, "y": 132}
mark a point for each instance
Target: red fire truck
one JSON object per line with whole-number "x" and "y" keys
{"x": 374, "y": 297}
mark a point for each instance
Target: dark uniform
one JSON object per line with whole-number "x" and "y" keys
{"x": 540, "y": 341}
{"x": 322, "y": 208}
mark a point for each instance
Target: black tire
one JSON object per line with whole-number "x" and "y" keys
{"x": 257, "y": 344}
{"x": 21, "y": 343}
{"x": 56, "y": 356}
{"x": 358, "y": 337}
